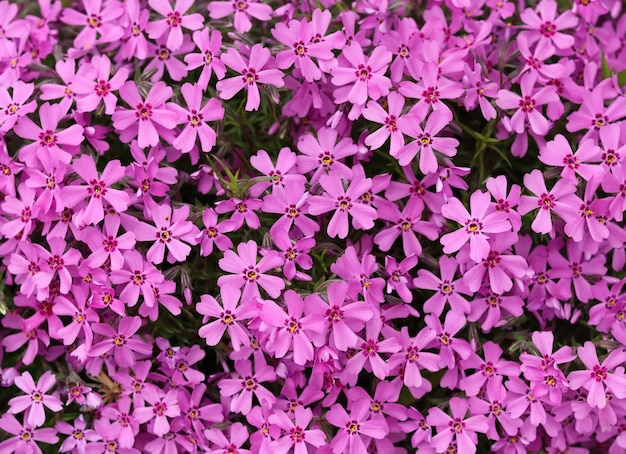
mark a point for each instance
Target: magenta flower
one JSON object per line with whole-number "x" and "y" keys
{"x": 50, "y": 146}
{"x": 24, "y": 213}
{"x": 354, "y": 429}
{"x": 248, "y": 273}
{"x": 281, "y": 173}
{"x": 98, "y": 19}
{"x": 448, "y": 290}
{"x": 597, "y": 379}
{"x": 196, "y": 118}
{"x": 210, "y": 45}
{"x": 146, "y": 120}
{"x": 229, "y": 315}
{"x": 214, "y": 233}
{"x": 36, "y": 398}
{"x": 399, "y": 276}
{"x": 291, "y": 202}
{"x": 477, "y": 225}
{"x": 528, "y": 105}
{"x": 106, "y": 244}
{"x": 295, "y": 433}
{"x": 15, "y": 105}
{"x": 123, "y": 341}
{"x": 391, "y": 129}
{"x": 98, "y": 188}
{"x": 450, "y": 348}
{"x": 343, "y": 202}
{"x": 171, "y": 231}
{"x": 543, "y": 24}
{"x": 25, "y": 436}
{"x": 325, "y": 154}
{"x": 163, "y": 406}
{"x": 139, "y": 276}
{"x": 558, "y": 153}
{"x": 300, "y": 37}
{"x": 458, "y": 428}
{"x": 245, "y": 384}
{"x": 363, "y": 77}
{"x": 243, "y": 10}
{"x": 342, "y": 318}
{"x": 251, "y": 73}
{"x": 413, "y": 358}
{"x": 174, "y": 20}
{"x": 91, "y": 92}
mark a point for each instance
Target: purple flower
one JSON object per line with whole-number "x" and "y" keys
{"x": 25, "y": 436}
{"x": 354, "y": 429}
{"x": 36, "y": 398}
{"x": 458, "y": 428}
{"x": 248, "y": 273}
{"x": 122, "y": 341}
{"x": 174, "y": 20}
{"x": 243, "y": 9}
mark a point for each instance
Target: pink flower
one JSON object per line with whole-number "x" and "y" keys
{"x": 123, "y": 341}
{"x": 528, "y": 105}
{"x": 210, "y": 45}
{"x": 97, "y": 20}
{"x": 15, "y": 105}
{"x": 448, "y": 290}
{"x": 229, "y": 315}
{"x": 98, "y": 188}
{"x": 462, "y": 430}
{"x": 245, "y": 384}
{"x": 375, "y": 112}
{"x": 139, "y": 277}
{"x": 36, "y": 398}
{"x": 362, "y": 78}
{"x": 597, "y": 379}
{"x": 248, "y": 273}
{"x": 91, "y": 92}
{"x": 558, "y": 153}
{"x": 299, "y": 36}
{"x": 146, "y": 120}
{"x": 25, "y": 437}
{"x": 343, "y": 202}
{"x": 290, "y": 202}
{"x": 544, "y": 25}
{"x": 196, "y": 118}
{"x": 252, "y": 73}
{"x": 164, "y": 406}
{"x": 50, "y": 146}
{"x": 174, "y": 20}
{"x": 354, "y": 430}
{"x": 477, "y": 225}
{"x": 324, "y": 154}
{"x": 171, "y": 231}
{"x": 243, "y": 9}
{"x": 296, "y": 434}
{"x": 214, "y": 233}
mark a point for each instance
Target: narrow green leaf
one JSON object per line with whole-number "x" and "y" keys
{"x": 621, "y": 78}
{"x": 606, "y": 71}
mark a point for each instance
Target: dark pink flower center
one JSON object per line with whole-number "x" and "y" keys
{"x": 102, "y": 88}
{"x": 250, "y": 76}
{"x": 174, "y": 19}
{"x": 473, "y": 226}
{"x": 363, "y": 72}
{"x": 144, "y": 111}
{"x": 343, "y": 203}
{"x": 47, "y": 138}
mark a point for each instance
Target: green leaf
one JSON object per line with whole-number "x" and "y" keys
{"x": 606, "y": 71}
{"x": 621, "y": 78}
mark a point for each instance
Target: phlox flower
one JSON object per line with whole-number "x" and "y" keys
{"x": 542, "y": 24}
{"x": 528, "y": 105}
{"x": 598, "y": 378}
{"x": 15, "y": 105}
{"x": 430, "y": 91}
{"x": 413, "y": 358}
{"x": 248, "y": 273}
{"x": 399, "y": 279}
{"x": 558, "y": 199}
{"x": 164, "y": 59}
{"x": 244, "y": 210}
{"x": 355, "y": 430}
{"x": 294, "y": 254}
{"x": 478, "y": 89}
{"x": 35, "y": 339}
{"x": 82, "y": 316}
{"x": 493, "y": 405}
{"x": 362, "y": 77}
{"x": 357, "y": 272}
{"x": 450, "y": 347}
{"x": 279, "y": 174}
{"x": 251, "y": 72}
{"x": 164, "y": 405}
{"x": 573, "y": 269}
{"x": 214, "y": 233}
{"x": 49, "y": 145}
{"x": 343, "y": 202}
{"x": 592, "y": 115}
{"x": 97, "y": 189}
{"x": 291, "y": 203}
{"x": 558, "y": 153}
{"x": 98, "y": 19}
{"x": 342, "y": 317}
{"x": 146, "y": 120}
{"x": 505, "y": 202}
{"x": 24, "y": 211}
{"x": 296, "y": 434}
{"x": 463, "y": 430}
{"x": 324, "y": 154}
{"x": 35, "y": 398}
{"x": 488, "y": 372}
{"x": 245, "y": 383}
{"x": 289, "y": 331}
{"x": 210, "y": 45}
{"x": 229, "y": 315}
{"x": 134, "y": 42}
{"x": 122, "y": 341}
{"x": 173, "y": 22}
{"x": 447, "y": 289}
{"x": 107, "y": 244}
{"x": 477, "y": 226}
{"x": 391, "y": 129}
{"x": 171, "y": 231}
{"x": 491, "y": 307}
{"x": 78, "y": 436}
{"x": 301, "y": 37}
{"x": 139, "y": 277}
{"x": 98, "y": 86}
{"x": 124, "y": 426}
{"x": 243, "y": 10}
{"x": 25, "y": 437}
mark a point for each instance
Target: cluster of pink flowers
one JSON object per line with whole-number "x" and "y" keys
{"x": 250, "y": 226}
